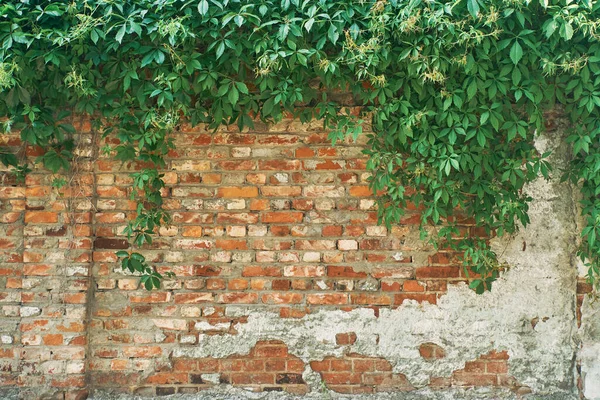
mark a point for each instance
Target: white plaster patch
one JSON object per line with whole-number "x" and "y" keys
{"x": 539, "y": 284}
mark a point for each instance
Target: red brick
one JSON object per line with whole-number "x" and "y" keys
{"x": 38, "y": 269}
{"x": 391, "y": 286}
{"x": 193, "y": 298}
{"x": 53, "y": 339}
{"x": 230, "y": 244}
{"x": 344, "y": 339}
{"x": 261, "y": 271}
{"x": 280, "y": 284}
{"x": 370, "y": 299}
{"x": 437, "y": 272}
{"x": 74, "y": 298}
{"x": 238, "y": 165}
{"x": 282, "y": 298}
{"x": 496, "y": 367}
{"x": 279, "y": 165}
{"x": 167, "y": 378}
{"x": 431, "y": 351}
{"x": 345, "y": 272}
{"x": 330, "y": 164}
{"x": 237, "y": 284}
{"x": 413, "y": 286}
{"x": 237, "y": 218}
{"x": 215, "y": 284}
{"x": 281, "y": 191}
{"x": 237, "y": 297}
{"x": 142, "y": 351}
{"x": 305, "y": 152}
{"x": 41, "y": 217}
{"x": 157, "y": 297}
{"x": 282, "y": 217}
{"x": 495, "y": 355}
{"x": 332, "y": 230}
{"x": 327, "y": 298}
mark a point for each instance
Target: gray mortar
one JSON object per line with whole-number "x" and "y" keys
{"x": 539, "y": 285}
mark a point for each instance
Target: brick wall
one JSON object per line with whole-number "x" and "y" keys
{"x": 274, "y": 219}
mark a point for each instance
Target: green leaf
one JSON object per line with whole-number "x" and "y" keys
{"x": 220, "y": 49}
{"x": 472, "y": 89}
{"x": 24, "y": 95}
{"x": 473, "y": 7}
{"x": 550, "y": 28}
{"x": 136, "y": 265}
{"x": 121, "y": 33}
{"x": 203, "y": 7}
{"x": 516, "y": 52}
{"x": 566, "y": 31}
{"x": 233, "y": 96}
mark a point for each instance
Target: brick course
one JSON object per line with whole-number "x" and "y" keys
{"x": 275, "y": 219}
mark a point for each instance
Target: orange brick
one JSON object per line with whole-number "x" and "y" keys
{"x": 413, "y": 286}
{"x": 53, "y": 339}
{"x": 237, "y": 191}
{"x": 282, "y": 217}
{"x": 360, "y": 191}
{"x": 41, "y": 217}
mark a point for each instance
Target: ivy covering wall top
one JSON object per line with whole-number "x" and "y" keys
{"x": 455, "y": 90}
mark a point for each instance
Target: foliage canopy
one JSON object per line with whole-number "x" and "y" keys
{"x": 455, "y": 91}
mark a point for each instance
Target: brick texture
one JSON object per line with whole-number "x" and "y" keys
{"x": 273, "y": 219}
{"x": 490, "y": 369}
{"x": 45, "y": 267}
{"x": 354, "y": 374}
{"x": 267, "y": 367}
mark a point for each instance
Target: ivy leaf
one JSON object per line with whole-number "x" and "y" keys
{"x": 516, "y": 52}
{"x": 11, "y": 98}
{"x": 233, "y": 96}
{"x": 550, "y": 28}
{"x": 120, "y": 33}
{"x": 136, "y": 264}
{"x": 473, "y": 7}
{"x": 333, "y": 34}
{"x": 203, "y": 7}
{"x": 308, "y": 24}
{"x": 566, "y": 31}
{"x": 472, "y": 89}
{"x": 8, "y": 159}
{"x": 220, "y": 49}
{"x": 24, "y": 95}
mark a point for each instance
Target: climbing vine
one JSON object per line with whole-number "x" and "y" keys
{"x": 455, "y": 91}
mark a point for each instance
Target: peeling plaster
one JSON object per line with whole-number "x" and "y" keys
{"x": 539, "y": 286}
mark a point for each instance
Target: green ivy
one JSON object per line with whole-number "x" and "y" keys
{"x": 455, "y": 92}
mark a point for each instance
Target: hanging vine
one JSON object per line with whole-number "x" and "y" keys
{"x": 456, "y": 92}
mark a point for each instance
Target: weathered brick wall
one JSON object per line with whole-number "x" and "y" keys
{"x": 284, "y": 281}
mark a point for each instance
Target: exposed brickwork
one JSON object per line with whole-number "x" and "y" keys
{"x": 45, "y": 261}
{"x": 267, "y": 367}
{"x": 583, "y": 289}
{"x": 355, "y": 373}
{"x": 490, "y": 369}
{"x": 345, "y": 338}
{"x": 431, "y": 351}
{"x": 274, "y": 219}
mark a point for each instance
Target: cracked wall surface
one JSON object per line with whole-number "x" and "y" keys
{"x": 285, "y": 285}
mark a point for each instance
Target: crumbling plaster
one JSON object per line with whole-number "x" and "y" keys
{"x": 530, "y": 313}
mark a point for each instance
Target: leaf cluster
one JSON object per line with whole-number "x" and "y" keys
{"x": 455, "y": 91}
